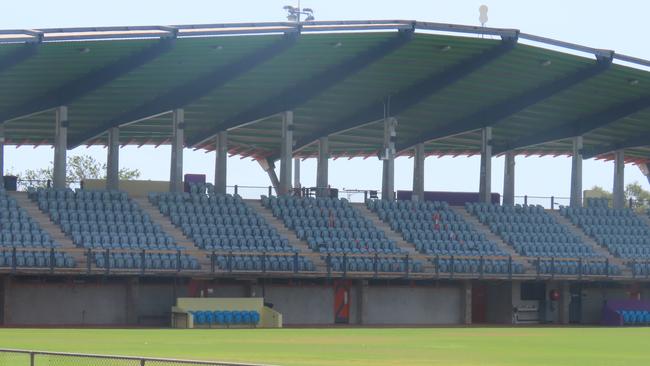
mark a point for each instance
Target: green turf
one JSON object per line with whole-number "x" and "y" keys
{"x": 349, "y": 346}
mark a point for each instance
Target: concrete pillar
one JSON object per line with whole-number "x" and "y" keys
{"x": 388, "y": 155}
{"x": 221, "y": 162}
{"x": 322, "y": 167}
{"x": 418, "y": 173}
{"x": 485, "y": 185}
{"x": 60, "y": 147}
{"x": 178, "y": 141}
{"x": 576, "y": 173}
{"x": 113, "y": 159}
{"x": 509, "y": 179}
{"x": 296, "y": 173}
{"x": 286, "y": 152}
{"x": 619, "y": 179}
{"x": 565, "y": 302}
{"x": 466, "y": 299}
{"x": 2, "y": 154}
{"x": 269, "y": 168}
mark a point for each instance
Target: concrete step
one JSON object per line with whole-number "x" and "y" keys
{"x": 48, "y": 226}
{"x": 294, "y": 241}
{"x": 393, "y": 235}
{"x": 589, "y": 240}
{"x": 169, "y": 228}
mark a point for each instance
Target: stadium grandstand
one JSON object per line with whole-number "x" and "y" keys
{"x": 138, "y": 253}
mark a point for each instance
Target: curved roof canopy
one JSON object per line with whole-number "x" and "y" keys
{"x": 442, "y": 82}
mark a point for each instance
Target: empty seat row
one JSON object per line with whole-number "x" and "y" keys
{"x": 635, "y": 317}
{"x": 573, "y": 268}
{"x": 373, "y": 264}
{"x": 165, "y": 261}
{"x": 471, "y": 265}
{"x": 39, "y": 259}
{"x": 257, "y": 263}
{"x": 225, "y": 318}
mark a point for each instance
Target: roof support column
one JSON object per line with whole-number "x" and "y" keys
{"x": 509, "y": 178}
{"x": 176, "y": 169}
{"x": 286, "y": 153}
{"x": 221, "y": 162}
{"x": 60, "y": 147}
{"x": 113, "y": 159}
{"x": 576, "y": 173}
{"x": 2, "y": 155}
{"x": 296, "y": 173}
{"x": 619, "y": 179}
{"x": 322, "y": 168}
{"x": 388, "y": 179}
{"x": 485, "y": 177}
{"x": 418, "y": 173}
{"x": 269, "y": 168}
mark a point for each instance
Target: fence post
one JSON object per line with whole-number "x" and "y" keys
{"x": 212, "y": 264}
{"x": 633, "y": 268}
{"x": 537, "y": 264}
{"x": 107, "y": 254}
{"x": 552, "y": 203}
{"x": 13, "y": 259}
{"x": 607, "y": 267}
{"x": 230, "y": 261}
{"x": 263, "y": 262}
{"x": 49, "y": 183}
{"x": 345, "y": 265}
{"x": 178, "y": 260}
{"x": 453, "y": 269}
{"x": 236, "y": 190}
{"x": 295, "y": 262}
{"x": 143, "y": 362}
{"x": 509, "y": 267}
{"x": 365, "y": 196}
{"x": 481, "y": 267}
{"x": 437, "y": 266}
{"x": 51, "y": 260}
{"x": 552, "y": 267}
{"x": 32, "y": 359}
{"x": 143, "y": 263}
{"x": 270, "y": 191}
{"x": 526, "y": 200}
{"x": 375, "y": 264}
{"x": 328, "y": 261}
{"x": 89, "y": 258}
{"x": 580, "y": 268}
{"x": 407, "y": 265}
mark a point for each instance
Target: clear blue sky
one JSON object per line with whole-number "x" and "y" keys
{"x": 619, "y": 25}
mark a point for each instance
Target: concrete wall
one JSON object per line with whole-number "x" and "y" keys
{"x": 302, "y": 304}
{"x": 413, "y": 305}
{"x": 61, "y": 304}
{"x": 499, "y": 303}
{"x": 593, "y": 299}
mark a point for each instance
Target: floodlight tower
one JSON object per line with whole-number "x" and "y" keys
{"x": 294, "y": 13}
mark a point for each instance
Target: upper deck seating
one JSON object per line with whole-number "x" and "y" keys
{"x": 102, "y": 219}
{"x": 18, "y": 229}
{"x": 434, "y": 228}
{"x": 330, "y": 225}
{"x": 619, "y": 230}
{"x": 531, "y": 231}
{"x": 220, "y": 222}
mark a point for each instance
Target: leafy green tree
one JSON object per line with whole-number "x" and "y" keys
{"x": 78, "y": 168}
{"x": 635, "y": 191}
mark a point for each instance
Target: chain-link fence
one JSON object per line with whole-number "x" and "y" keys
{"x": 9, "y": 357}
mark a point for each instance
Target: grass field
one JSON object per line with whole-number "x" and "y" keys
{"x": 359, "y": 347}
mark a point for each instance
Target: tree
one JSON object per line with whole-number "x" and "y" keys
{"x": 78, "y": 168}
{"x": 634, "y": 191}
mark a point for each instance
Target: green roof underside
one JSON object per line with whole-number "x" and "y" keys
{"x": 540, "y": 124}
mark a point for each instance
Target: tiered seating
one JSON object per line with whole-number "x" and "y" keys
{"x": 635, "y": 317}
{"x": 227, "y": 318}
{"x": 371, "y": 264}
{"x": 220, "y": 222}
{"x": 330, "y": 225}
{"x": 434, "y": 228}
{"x": 572, "y": 268}
{"x": 18, "y": 229}
{"x": 38, "y": 259}
{"x": 151, "y": 261}
{"x": 102, "y": 219}
{"x": 258, "y": 263}
{"x": 488, "y": 266}
{"x": 619, "y": 230}
{"x": 531, "y": 231}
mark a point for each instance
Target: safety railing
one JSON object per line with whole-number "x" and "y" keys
{"x": 13, "y": 357}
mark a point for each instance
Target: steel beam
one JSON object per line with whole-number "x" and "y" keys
{"x": 412, "y": 95}
{"x": 493, "y": 114}
{"x": 18, "y": 55}
{"x": 296, "y": 95}
{"x": 77, "y": 88}
{"x": 632, "y": 142}
{"x": 191, "y": 90}
{"x": 579, "y": 127}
